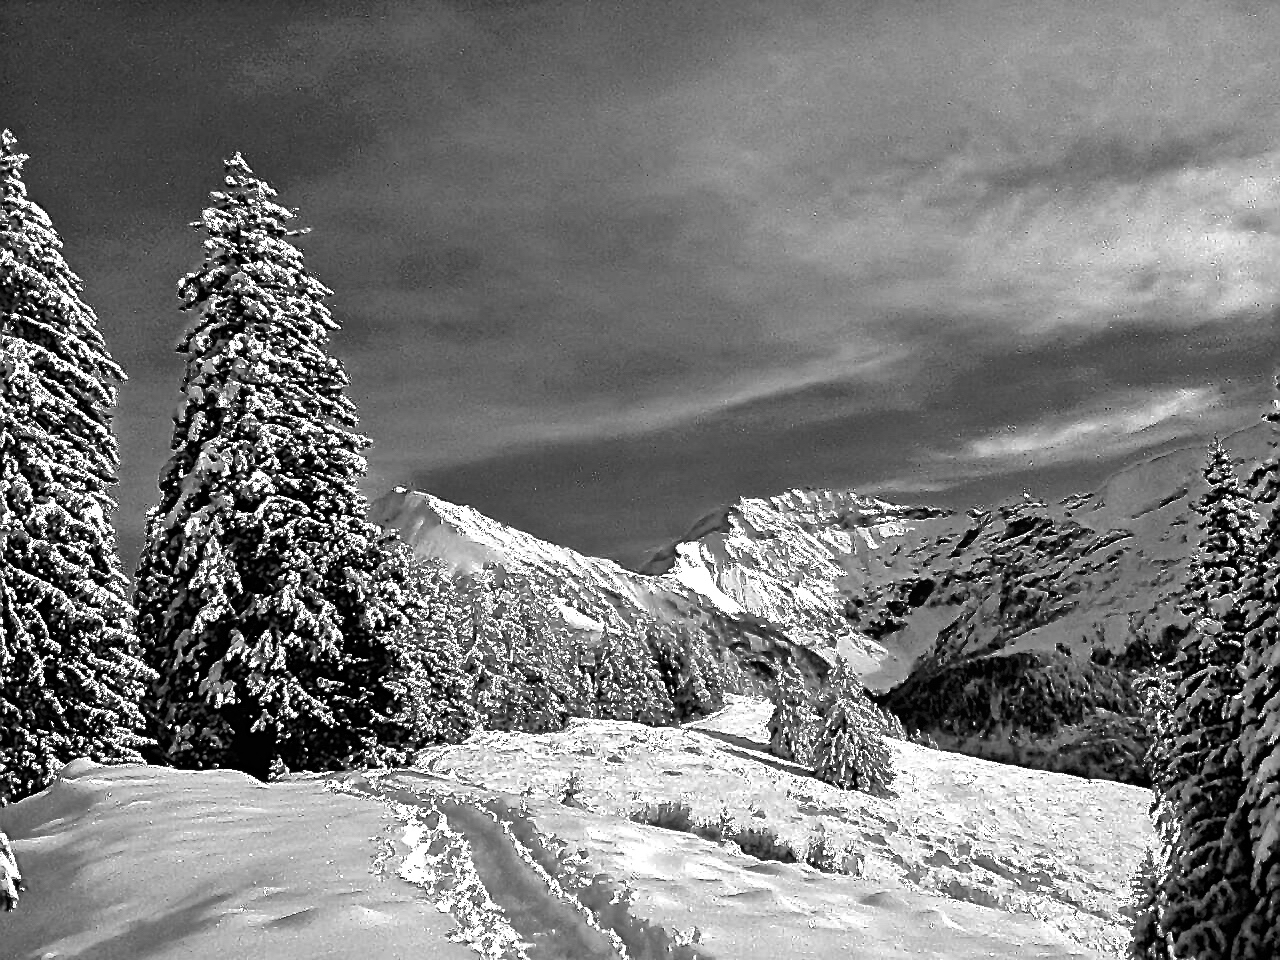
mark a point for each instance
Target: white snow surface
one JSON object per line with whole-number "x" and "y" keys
{"x": 691, "y": 570}
{"x": 1039, "y": 861}
{"x": 578, "y": 620}
{"x": 967, "y": 859}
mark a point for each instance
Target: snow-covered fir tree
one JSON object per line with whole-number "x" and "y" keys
{"x": 1259, "y": 722}
{"x": 627, "y": 683}
{"x": 487, "y": 654}
{"x": 542, "y": 684}
{"x": 1198, "y": 779}
{"x": 442, "y": 699}
{"x": 793, "y": 714}
{"x": 850, "y": 751}
{"x": 688, "y": 669}
{"x": 1155, "y": 693}
{"x": 71, "y": 677}
{"x": 274, "y": 612}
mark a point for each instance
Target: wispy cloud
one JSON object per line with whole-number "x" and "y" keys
{"x": 1077, "y": 443}
{"x": 1124, "y": 424}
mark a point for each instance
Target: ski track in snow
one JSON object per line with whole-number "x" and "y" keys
{"x": 1024, "y": 845}
{"x": 464, "y": 853}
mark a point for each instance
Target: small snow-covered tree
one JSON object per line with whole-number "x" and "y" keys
{"x": 850, "y": 751}
{"x": 689, "y": 670}
{"x": 703, "y": 683}
{"x": 71, "y": 677}
{"x": 627, "y": 684}
{"x": 793, "y": 715}
{"x": 1259, "y": 725}
{"x": 543, "y": 685}
{"x": 439, "y": 694}
{"x": 1196, "y": 773}
{"x": 274, "y": 612}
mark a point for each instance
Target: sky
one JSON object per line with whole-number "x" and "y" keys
{"x": 603, "y": 266}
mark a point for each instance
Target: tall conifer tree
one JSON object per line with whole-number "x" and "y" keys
{"x": 1259, "y": 810}
{"x": 1198, "y": 781}
{"x": 70, "y": 674}
{"x": 273, "y": 611}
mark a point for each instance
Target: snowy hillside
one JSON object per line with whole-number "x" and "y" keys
{"x": 588, "y": 592}
{"x": 477, "y": 844}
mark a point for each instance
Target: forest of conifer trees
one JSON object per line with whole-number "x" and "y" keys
{"x": 1213, "y": 889}
{"x": 272, "y": 626}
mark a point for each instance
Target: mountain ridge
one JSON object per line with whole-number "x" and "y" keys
{"x": 1011, "y": 632}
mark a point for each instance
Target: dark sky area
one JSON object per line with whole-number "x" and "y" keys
{"x": 604, "y": 265}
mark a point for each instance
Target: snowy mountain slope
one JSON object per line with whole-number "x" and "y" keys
{"x": 811, "y": 556}
{"x": 588, "y": 592}
{"x": 473, "y": 852}
{"x": 797, "y": 559}
{"x": 1010, "y": 633}
{"x": 964, "y": 613}
{"x": 467, "y": 540}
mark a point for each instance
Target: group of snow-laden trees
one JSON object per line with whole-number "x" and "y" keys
{"x": 272, "y": 626}
{"x": 1212, "y": 890}
{"x": 841, "y": 734}
{"x": 530, "y": 672}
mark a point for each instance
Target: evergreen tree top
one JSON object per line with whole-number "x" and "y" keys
{"x": 44, "y": 320}
{"x": 1225, "y": 506}
{"x": 246, "y": 204}
{"x": 1219, "y": 471}
{"x": 31, "y": 262}
{"x": 249, "y": 259}
{"x": 11, "y": 162}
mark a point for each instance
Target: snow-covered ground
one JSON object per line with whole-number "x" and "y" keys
{"x": 473, "y": 852}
